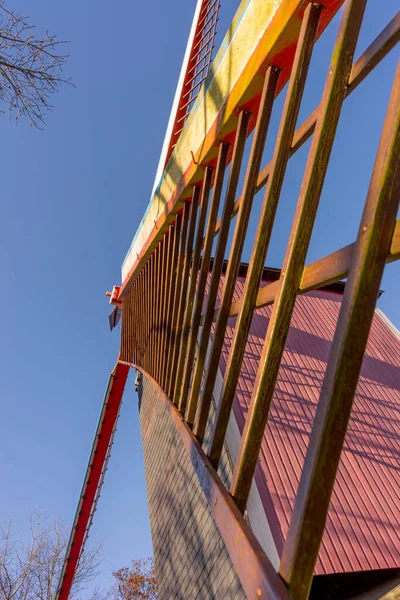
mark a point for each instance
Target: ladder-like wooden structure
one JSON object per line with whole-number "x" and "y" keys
{"x": 166, "y": 329}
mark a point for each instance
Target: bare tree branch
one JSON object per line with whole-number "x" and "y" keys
{"x": 30, "y": 68}
{"x": 32, "y": 571}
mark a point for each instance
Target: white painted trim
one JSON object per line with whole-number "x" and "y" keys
{"x": 388, "y": 322}
{"x": 174, "y": 109}
{"x": 255, "y": 509}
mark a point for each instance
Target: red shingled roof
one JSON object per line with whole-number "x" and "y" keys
{"x": 363, "y": 526}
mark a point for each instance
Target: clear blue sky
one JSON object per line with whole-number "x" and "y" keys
{"x": 72, "y": 197}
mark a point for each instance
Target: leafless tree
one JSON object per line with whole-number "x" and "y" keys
{"x": 31, "y": 571}
{"x": 30, "y": 67}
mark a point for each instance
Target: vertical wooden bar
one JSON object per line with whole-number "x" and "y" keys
{"x": 204, "y": 270}
{"x": 293, "y": 264}
{"x": 177, "y": 292}
{"x": 129, "y": 307}
{"x": 148, "y": 319}
{"x": 345, "y": 360}
{"x": 164, "y": 253}
{"x": 185, "y": 279}
{"x": 141, "y": 318}
{"x": 159, "y": 304}
{"x": 134, "y": 317}
{"x": 127, "y": 338}
{"x": 124, "y": 337}
{"x": 237, "y": 156}
{"x": 264, "y": 229}
{"x": 158, "y": 300}
{"x": 129, "y": 353}
{"x": 171, "y": 297}
{"x": 253, "y": 167}
{"x": 167, "y": 290}
{"x": 144, "y": 316}
{"x": 137, "y": 319}
{"x": 124, "y": 330}
{"x": 181, "y": 399}
{"x": 149, "y": 304}
{"x": 154, "y": 311}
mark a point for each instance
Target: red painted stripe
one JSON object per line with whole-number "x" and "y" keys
{"x": 105, "y": 427}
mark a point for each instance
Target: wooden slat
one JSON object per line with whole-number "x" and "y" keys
{"x": 345, "y": 359}
{"x": 253, "y": 167}
{"x": 205, "y": 262}
{"x": 372, "y": 56}
{"x": 154, "y": 311}
{"x": 127, "y": 338}
{"x": 185, "y": 279}
{"x": 164, "y": 285}
{"x": 177, "y": 293}
{"x": 296, "y": 251}
{"x": 151, "y": 304}
{"x": 167, "y": 298}
{"x": 159, "y": 303}
{"x": 141, "y": 318}
{"x": 380, "y": 47}
{"x": 148, "y": 309}
{"x": 280, "y": 159}
{"x": 395, "y": 246}
{"x": 181, "y": 399}
{"x": 316, "y": 275}
{"x": 144, "y": 314}
{"x": 129, "y": 310}
{"x": 237, "y": 157}
{"x": 137, "y": 316}
{"x": 171, "y": 298}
